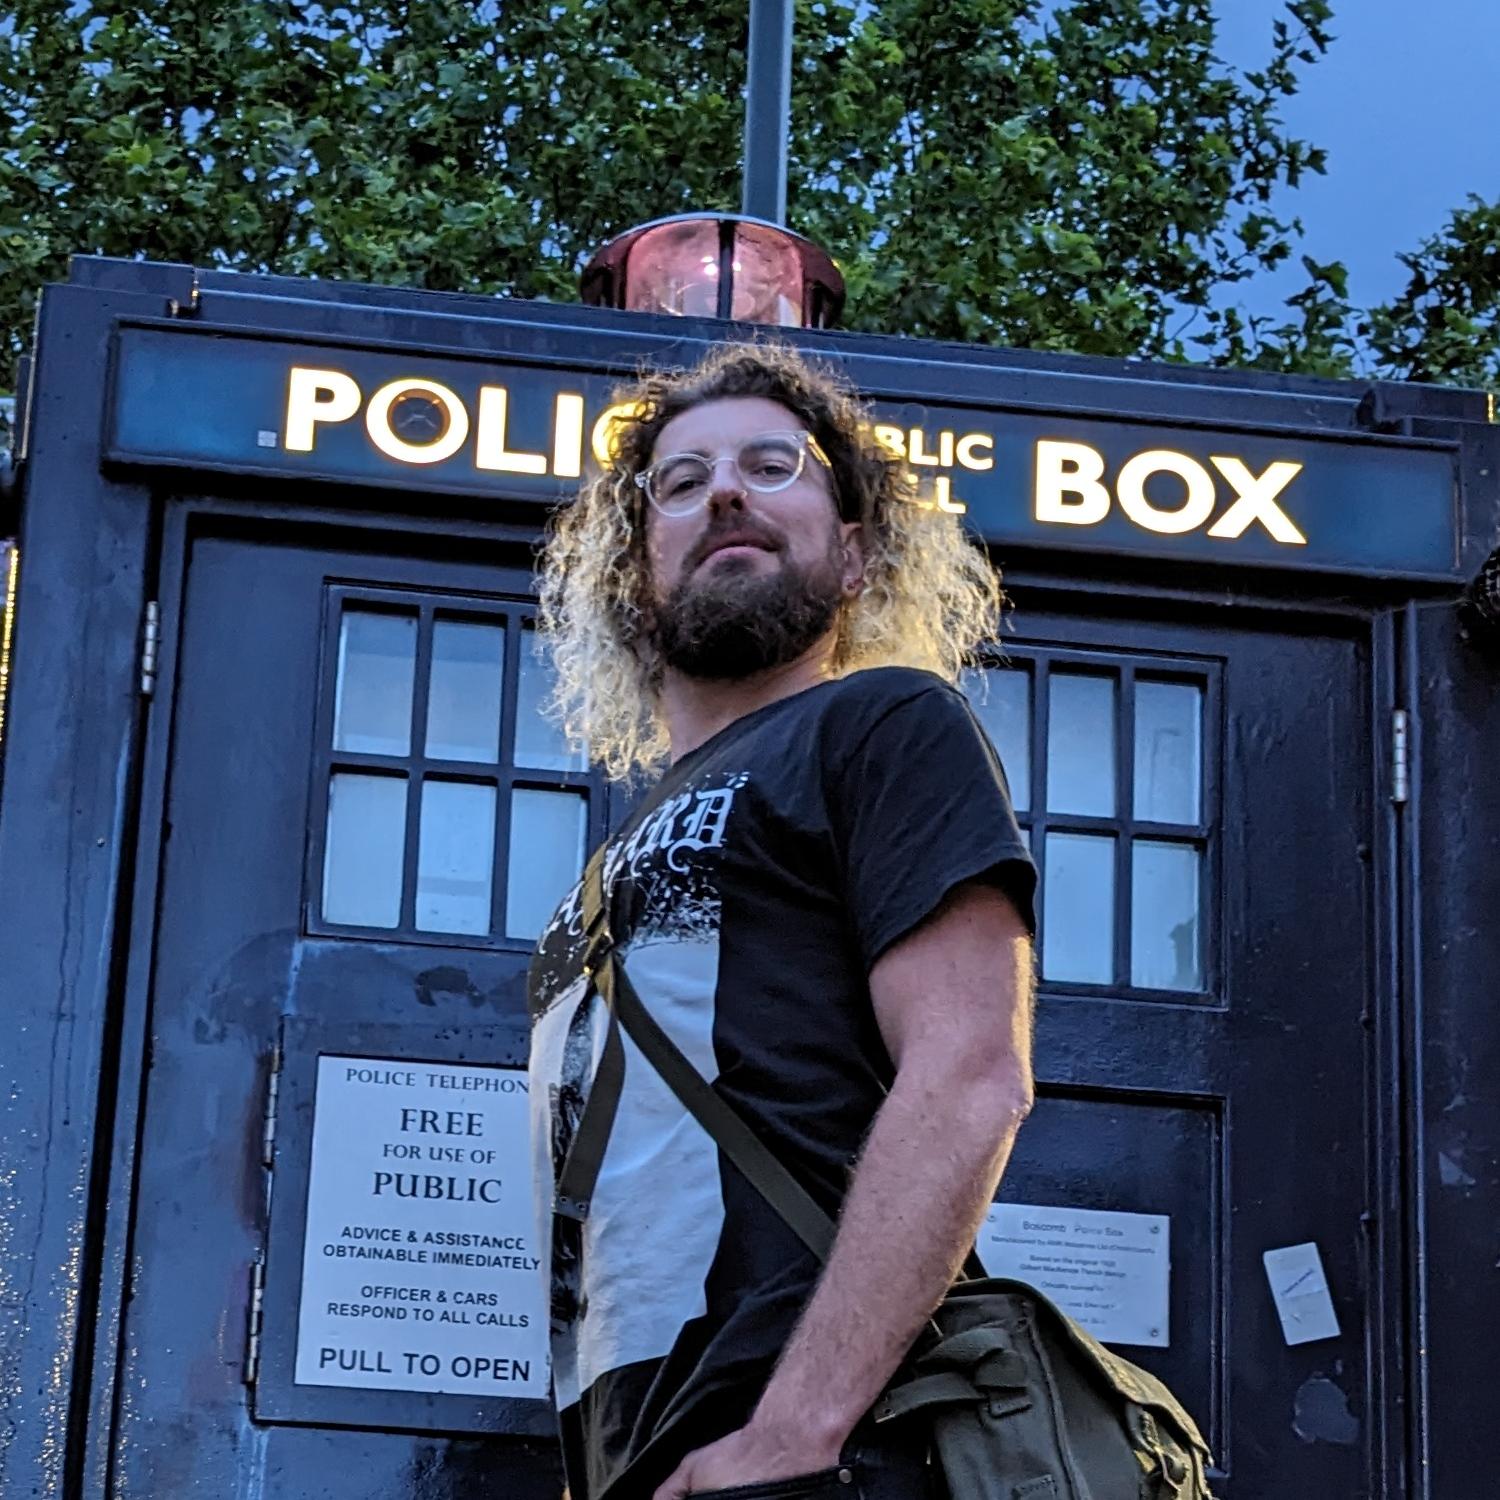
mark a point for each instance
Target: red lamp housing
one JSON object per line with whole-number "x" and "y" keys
{"x": 717, "y": 266}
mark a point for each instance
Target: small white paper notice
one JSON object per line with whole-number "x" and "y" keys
{"x": 1111, "y": 1272}
{"x": 1300, "y": 1291}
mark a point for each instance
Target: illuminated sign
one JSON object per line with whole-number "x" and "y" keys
{"x": 1070, "y": 491}
{"x": 444, "y": 424}
{"x": 417, "y": 421}
{"x": 422, "y": 421}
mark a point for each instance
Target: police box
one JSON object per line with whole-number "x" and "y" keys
{"x": 281, "y": 819}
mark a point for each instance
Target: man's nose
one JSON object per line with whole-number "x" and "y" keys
{"x": 726, "y": 490}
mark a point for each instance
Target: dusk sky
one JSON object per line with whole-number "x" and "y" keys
{"x": 1406, "y": 104}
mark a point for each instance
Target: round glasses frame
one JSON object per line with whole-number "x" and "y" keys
{"x": 803, "y": 442}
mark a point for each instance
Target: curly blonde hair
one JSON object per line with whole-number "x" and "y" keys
{"x": 930, "y": 598}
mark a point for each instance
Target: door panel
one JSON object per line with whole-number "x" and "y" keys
{"x": 1229, "y": 1091}
{"x": 247, "y": 941}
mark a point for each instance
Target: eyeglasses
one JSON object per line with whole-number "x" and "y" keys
{"x": 679, "y": 483}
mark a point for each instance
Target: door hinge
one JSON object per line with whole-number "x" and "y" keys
{"x": 257, "y": 1306}
{"x": 150, "y": 648}
{"x": 1400, "y": 756}
{"x": 273, "y": 1099}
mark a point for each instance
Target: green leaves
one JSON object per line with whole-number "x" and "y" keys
{"x": 1083, "y": 175}
{"x": 1445, "y": 324}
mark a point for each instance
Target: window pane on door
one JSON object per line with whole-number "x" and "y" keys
{"x": 447, "y": 692}
{"x": 1168, "y": 751}
{"x": 362, "y": 853}
{"x": 547, "y": 832}
{"x": 1081, "y": 744}
{"x": 372, "y": 697}
{"x": 463, "y": 702}
{"x": 1164, "y": 927}
{"x": 1002, "y": 702}
{"x": 1078, "y": 909}
{"x": 539, "y": 742}
{"x": 455, "y": 857}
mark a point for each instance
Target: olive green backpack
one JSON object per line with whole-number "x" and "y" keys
{"x": 1022, "y": 1403}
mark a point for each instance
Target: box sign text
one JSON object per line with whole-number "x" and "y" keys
{"x": 449, "y": 426}
{"x": 1069, "y": 488}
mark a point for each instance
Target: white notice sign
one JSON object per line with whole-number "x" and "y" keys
{"x": 1110, "y": 1272}
{"x": 418, "y": 1267}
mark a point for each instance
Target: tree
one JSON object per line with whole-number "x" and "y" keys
{"x": 1082, "y": 175}
{"x": 1068, "y": 183}
{"x": 1445, "y": 325}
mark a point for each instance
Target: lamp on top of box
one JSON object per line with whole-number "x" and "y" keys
{"x": 717, "y": 265}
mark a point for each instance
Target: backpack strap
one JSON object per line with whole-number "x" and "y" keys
{"x": 724, "y": 1124}
{"x": 580, "y": 1171}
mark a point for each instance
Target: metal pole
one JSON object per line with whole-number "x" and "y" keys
{"x": 768, "y": 108}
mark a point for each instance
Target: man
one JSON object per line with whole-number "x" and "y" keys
{"x": 825, "y": 902}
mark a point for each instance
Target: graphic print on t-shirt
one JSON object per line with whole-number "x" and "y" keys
{"x": 657, "y": 1209}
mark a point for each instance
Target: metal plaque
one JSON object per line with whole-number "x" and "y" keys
{"x": 1111, "y": 1272}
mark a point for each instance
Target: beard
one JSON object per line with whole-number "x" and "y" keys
{"x": 738, "y": 621}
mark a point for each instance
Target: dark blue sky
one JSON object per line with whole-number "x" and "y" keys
{"x": 1407, "y": 102}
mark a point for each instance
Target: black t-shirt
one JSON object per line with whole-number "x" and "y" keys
{"x": 750, "y": 894}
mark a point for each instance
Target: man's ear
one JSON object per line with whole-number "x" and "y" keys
{"x": 852, "y": 571}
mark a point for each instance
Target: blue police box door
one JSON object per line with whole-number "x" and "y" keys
{"x": 1191, "y": 1184}
{"x": 364, "y": 823}
{"x": 357, "y": 822}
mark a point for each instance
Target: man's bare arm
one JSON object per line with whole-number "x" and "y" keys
{"x": 953, "y": 1001}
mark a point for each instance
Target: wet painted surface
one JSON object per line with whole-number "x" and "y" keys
{"x": 1457, "y": 1027}
{"x": 68, "y": 764}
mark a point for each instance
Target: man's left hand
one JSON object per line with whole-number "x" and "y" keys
{"x": 746, "y": 1457}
